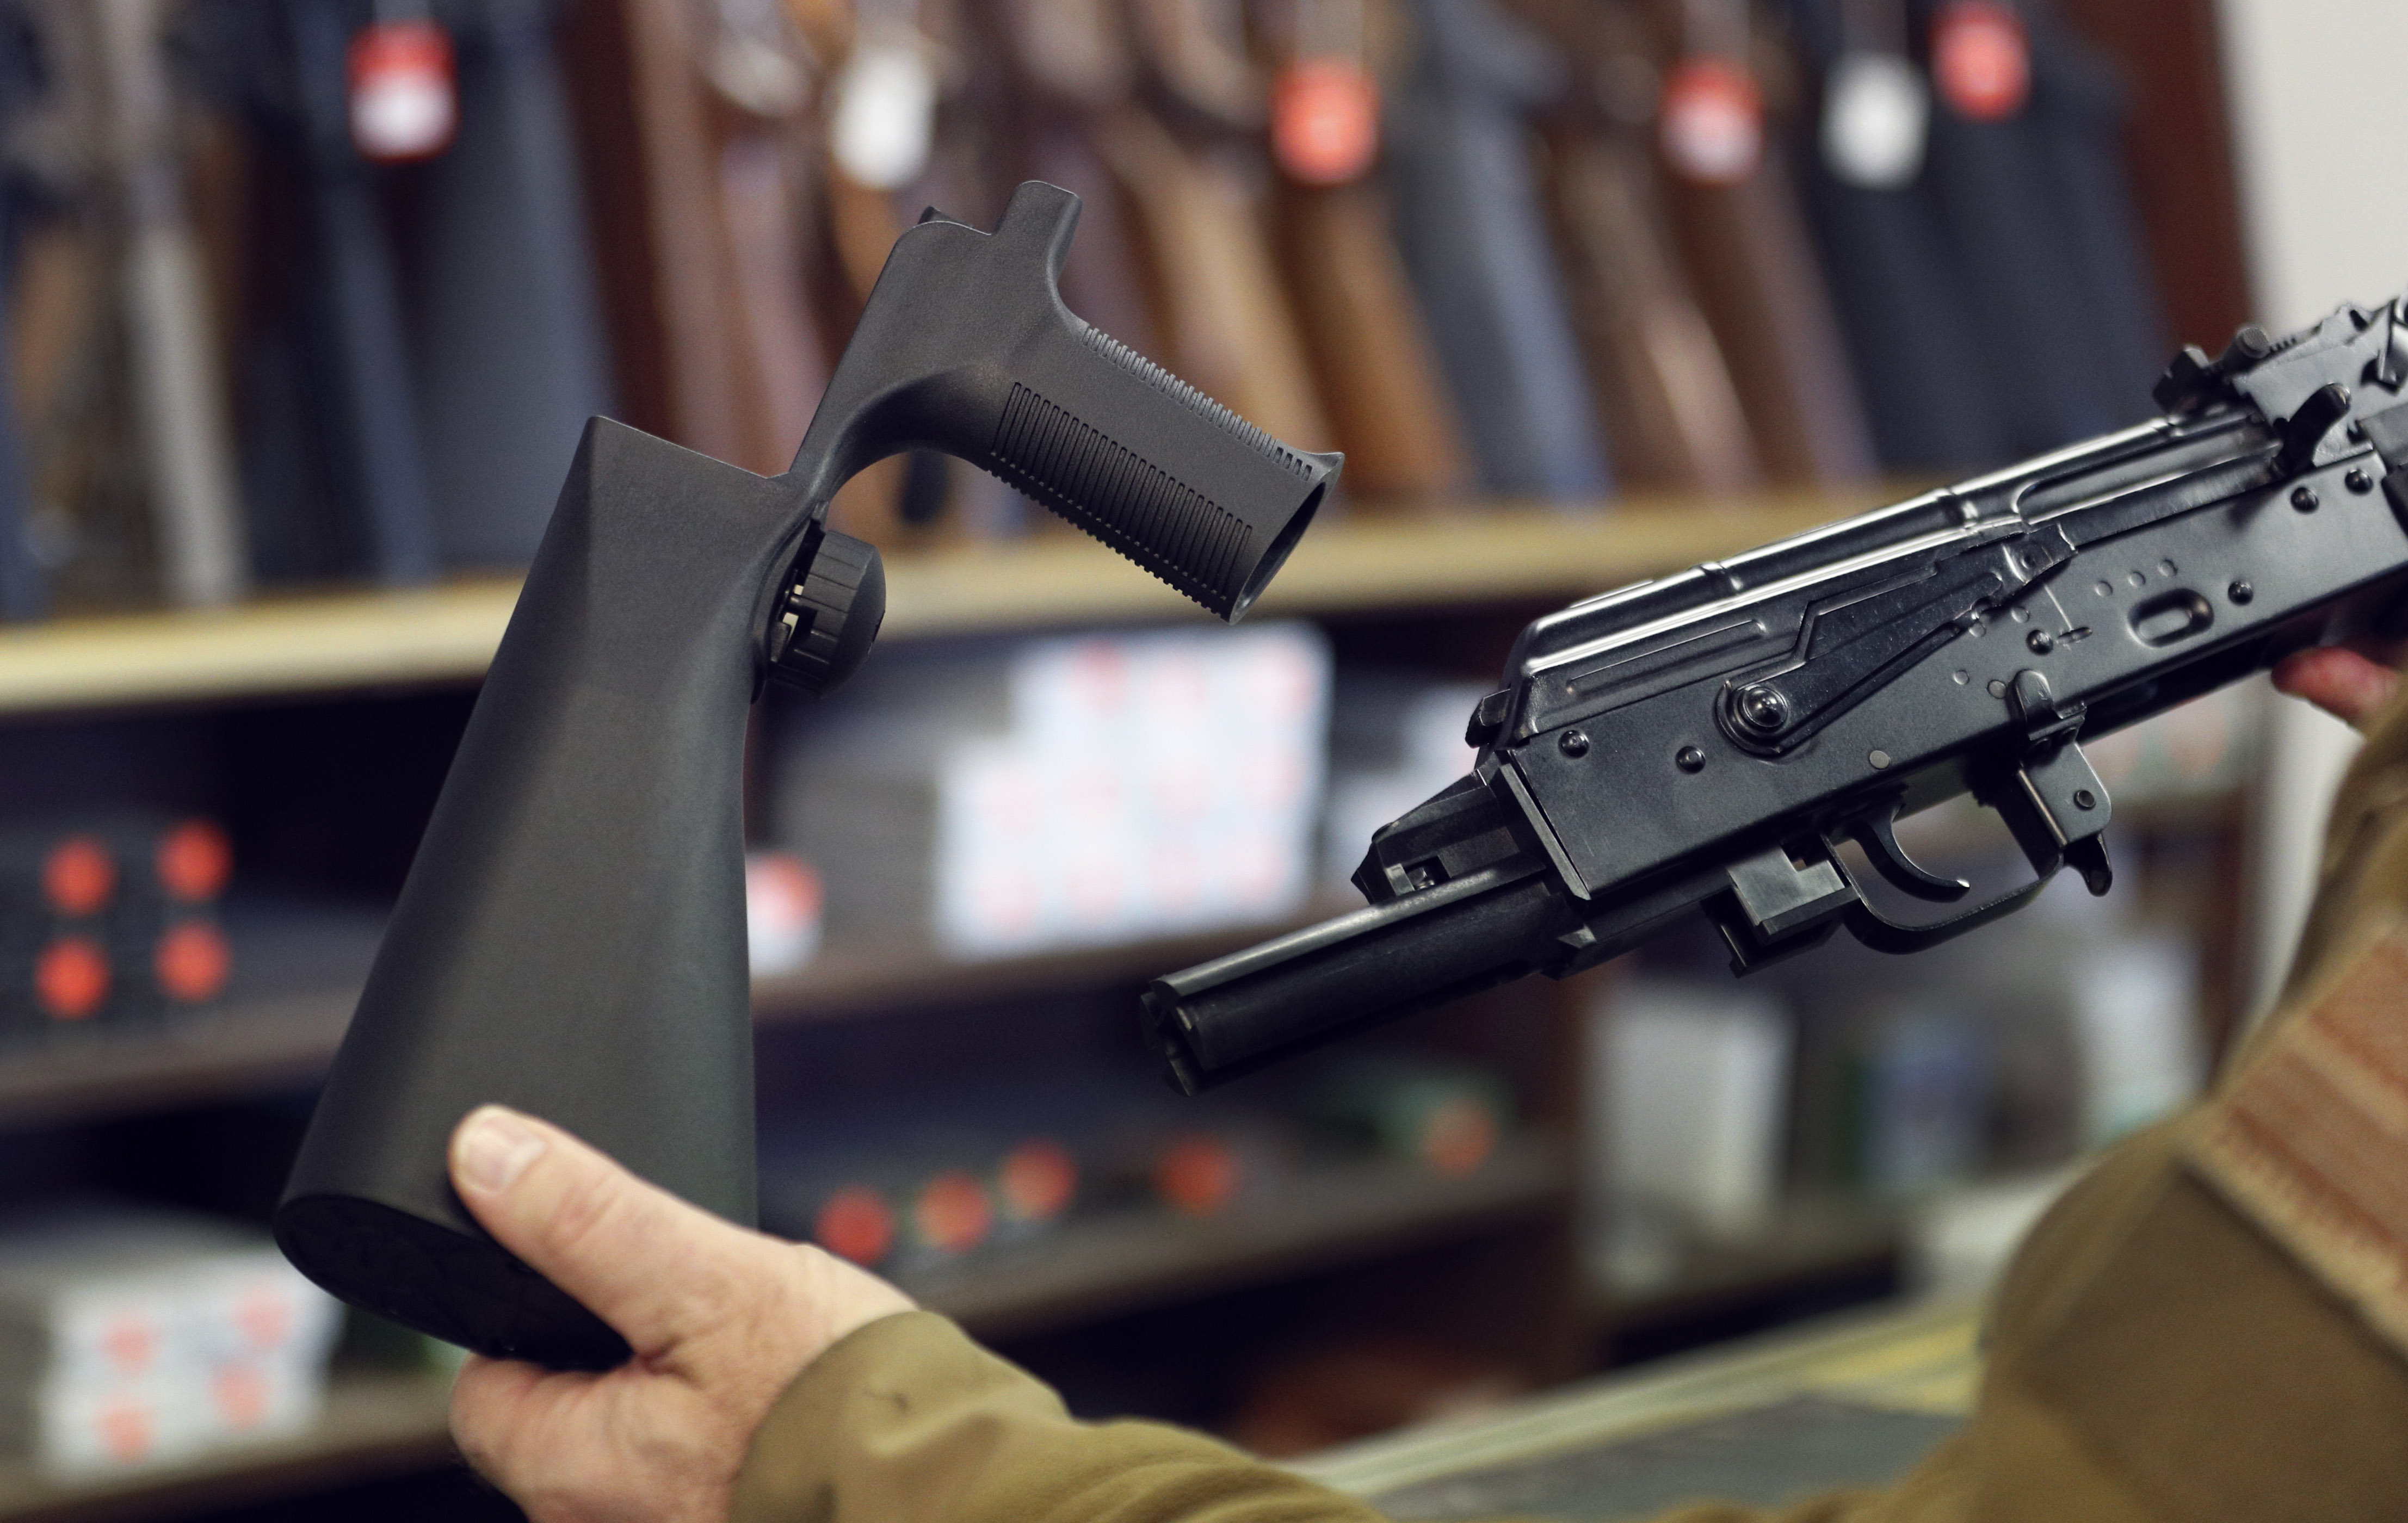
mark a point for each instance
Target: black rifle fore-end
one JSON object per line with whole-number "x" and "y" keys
{"x": 965, "y": 347}
{"x": 1228, "y": 1016}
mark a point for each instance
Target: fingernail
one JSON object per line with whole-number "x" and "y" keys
{"x": 495, "y": 1147}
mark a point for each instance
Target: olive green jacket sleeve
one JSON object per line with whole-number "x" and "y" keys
{"x": 2154, "y": 1356}
{"x": 908, "y": 1421}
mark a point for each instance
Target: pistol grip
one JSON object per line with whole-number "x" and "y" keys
{"x": 965, "y": 347}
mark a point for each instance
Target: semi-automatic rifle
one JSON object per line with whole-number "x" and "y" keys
{"x": 1707, "y": 742}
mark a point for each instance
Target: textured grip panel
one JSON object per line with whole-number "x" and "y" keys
{"x": 1179, "y": 391}
{"x": 1130, "y": 504}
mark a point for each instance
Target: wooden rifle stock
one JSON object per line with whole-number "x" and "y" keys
{"x": 1669, "y": 406}
{"x": 1062, "y": 73}
{"x": 1747, "y": 248}
{"x": 1221, "y": 309}
{"x": 1362, "y": 329}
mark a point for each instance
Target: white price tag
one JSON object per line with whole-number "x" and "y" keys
{"x": 884, "y": 124}
{"x": 1876, "y": 121}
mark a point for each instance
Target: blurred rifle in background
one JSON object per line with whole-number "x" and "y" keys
{"x": 1064, "y": 74}
{"x": 1335, "y": 234}
{"x": 511, "y": 359}
{"x": 1924, "y": 371}
{"x": 23, "y": 590}
{"x": 334, "y": 472}
{"x": 2026, "y": 174}
{"x": 883, "y": 90}
{"x": 1738, "y": 223}
{"x": 1193, "y": 169}
{"x": 113, "y": 52}
{"x": 1669, "y": 406}
{"x": 1473, "y": 234}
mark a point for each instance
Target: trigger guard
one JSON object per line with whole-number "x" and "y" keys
{"x": 1881, "y": 933}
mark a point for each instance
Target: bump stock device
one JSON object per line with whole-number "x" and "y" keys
{"x": 571, "y": 939}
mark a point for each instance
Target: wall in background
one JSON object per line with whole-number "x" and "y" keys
{"x": 2313, "y": 84}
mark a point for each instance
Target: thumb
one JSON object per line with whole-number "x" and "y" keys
{"x": 659, "y": 1270}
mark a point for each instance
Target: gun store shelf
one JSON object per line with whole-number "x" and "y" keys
{"x": 377, "y": 1425}
{"x": 1320, "y": 1216}
{"x": 257, "y": 1043}
{"x": 362, "y": 640}
{"x": 373, "y": 1425}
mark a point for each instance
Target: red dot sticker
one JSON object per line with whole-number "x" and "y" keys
{"x": 952, "y": 1213}
{"x": 404, "y": 101}
{"x": 855, "y": 1224}
{"x": 1981, "y": 58}
{"x": 1324, "y": 120}
{"x": 194, "y": 860}
{"x": 1039, "y": 1180}
{"x": 78, "y": 877}
{"x": 1712, "y": 124}
{"x": 1197, "y": 1174}
{"x": 193, "y": 961}
{"x": 71, "y": 979}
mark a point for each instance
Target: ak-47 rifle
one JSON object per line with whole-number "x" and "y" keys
{"x": 1707, "y": 742}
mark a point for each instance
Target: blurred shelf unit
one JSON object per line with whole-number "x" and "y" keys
{"x": 248, "y": 1045}
{"x": 373, "y": 639}
{"x": 374, "y": 1425}
{"x": 1326, "y": 1216}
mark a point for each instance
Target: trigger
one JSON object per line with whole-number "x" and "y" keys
{"x": 2088, "y": 856}
{"x": 1878, "y": 835}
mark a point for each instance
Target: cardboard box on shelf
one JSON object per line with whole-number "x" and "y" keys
{"x": 131, "y": 1336}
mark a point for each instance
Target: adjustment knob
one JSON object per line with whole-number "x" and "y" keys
{"x": 836, "y": 599}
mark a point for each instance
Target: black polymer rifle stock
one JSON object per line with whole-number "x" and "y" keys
{"x": 1707, "y": 742}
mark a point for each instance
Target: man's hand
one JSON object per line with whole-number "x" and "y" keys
{"x": 720, "y": 1319}
{"x": 2351, "y": 683}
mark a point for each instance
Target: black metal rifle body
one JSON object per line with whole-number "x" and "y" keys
{"x": 1706, "y": 742}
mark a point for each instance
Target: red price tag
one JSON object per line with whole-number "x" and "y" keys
{"x": 1981, "y": 56}
{"x": 1324, "y": 120}
{"x": 405, "y": 92}
{"x": 1712, "y": 124}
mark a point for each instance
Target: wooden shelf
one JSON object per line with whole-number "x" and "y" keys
{"x": 1322, "y": 1216}
{"x": 373, "y": 1425}
{"x": 363, "y": 640}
